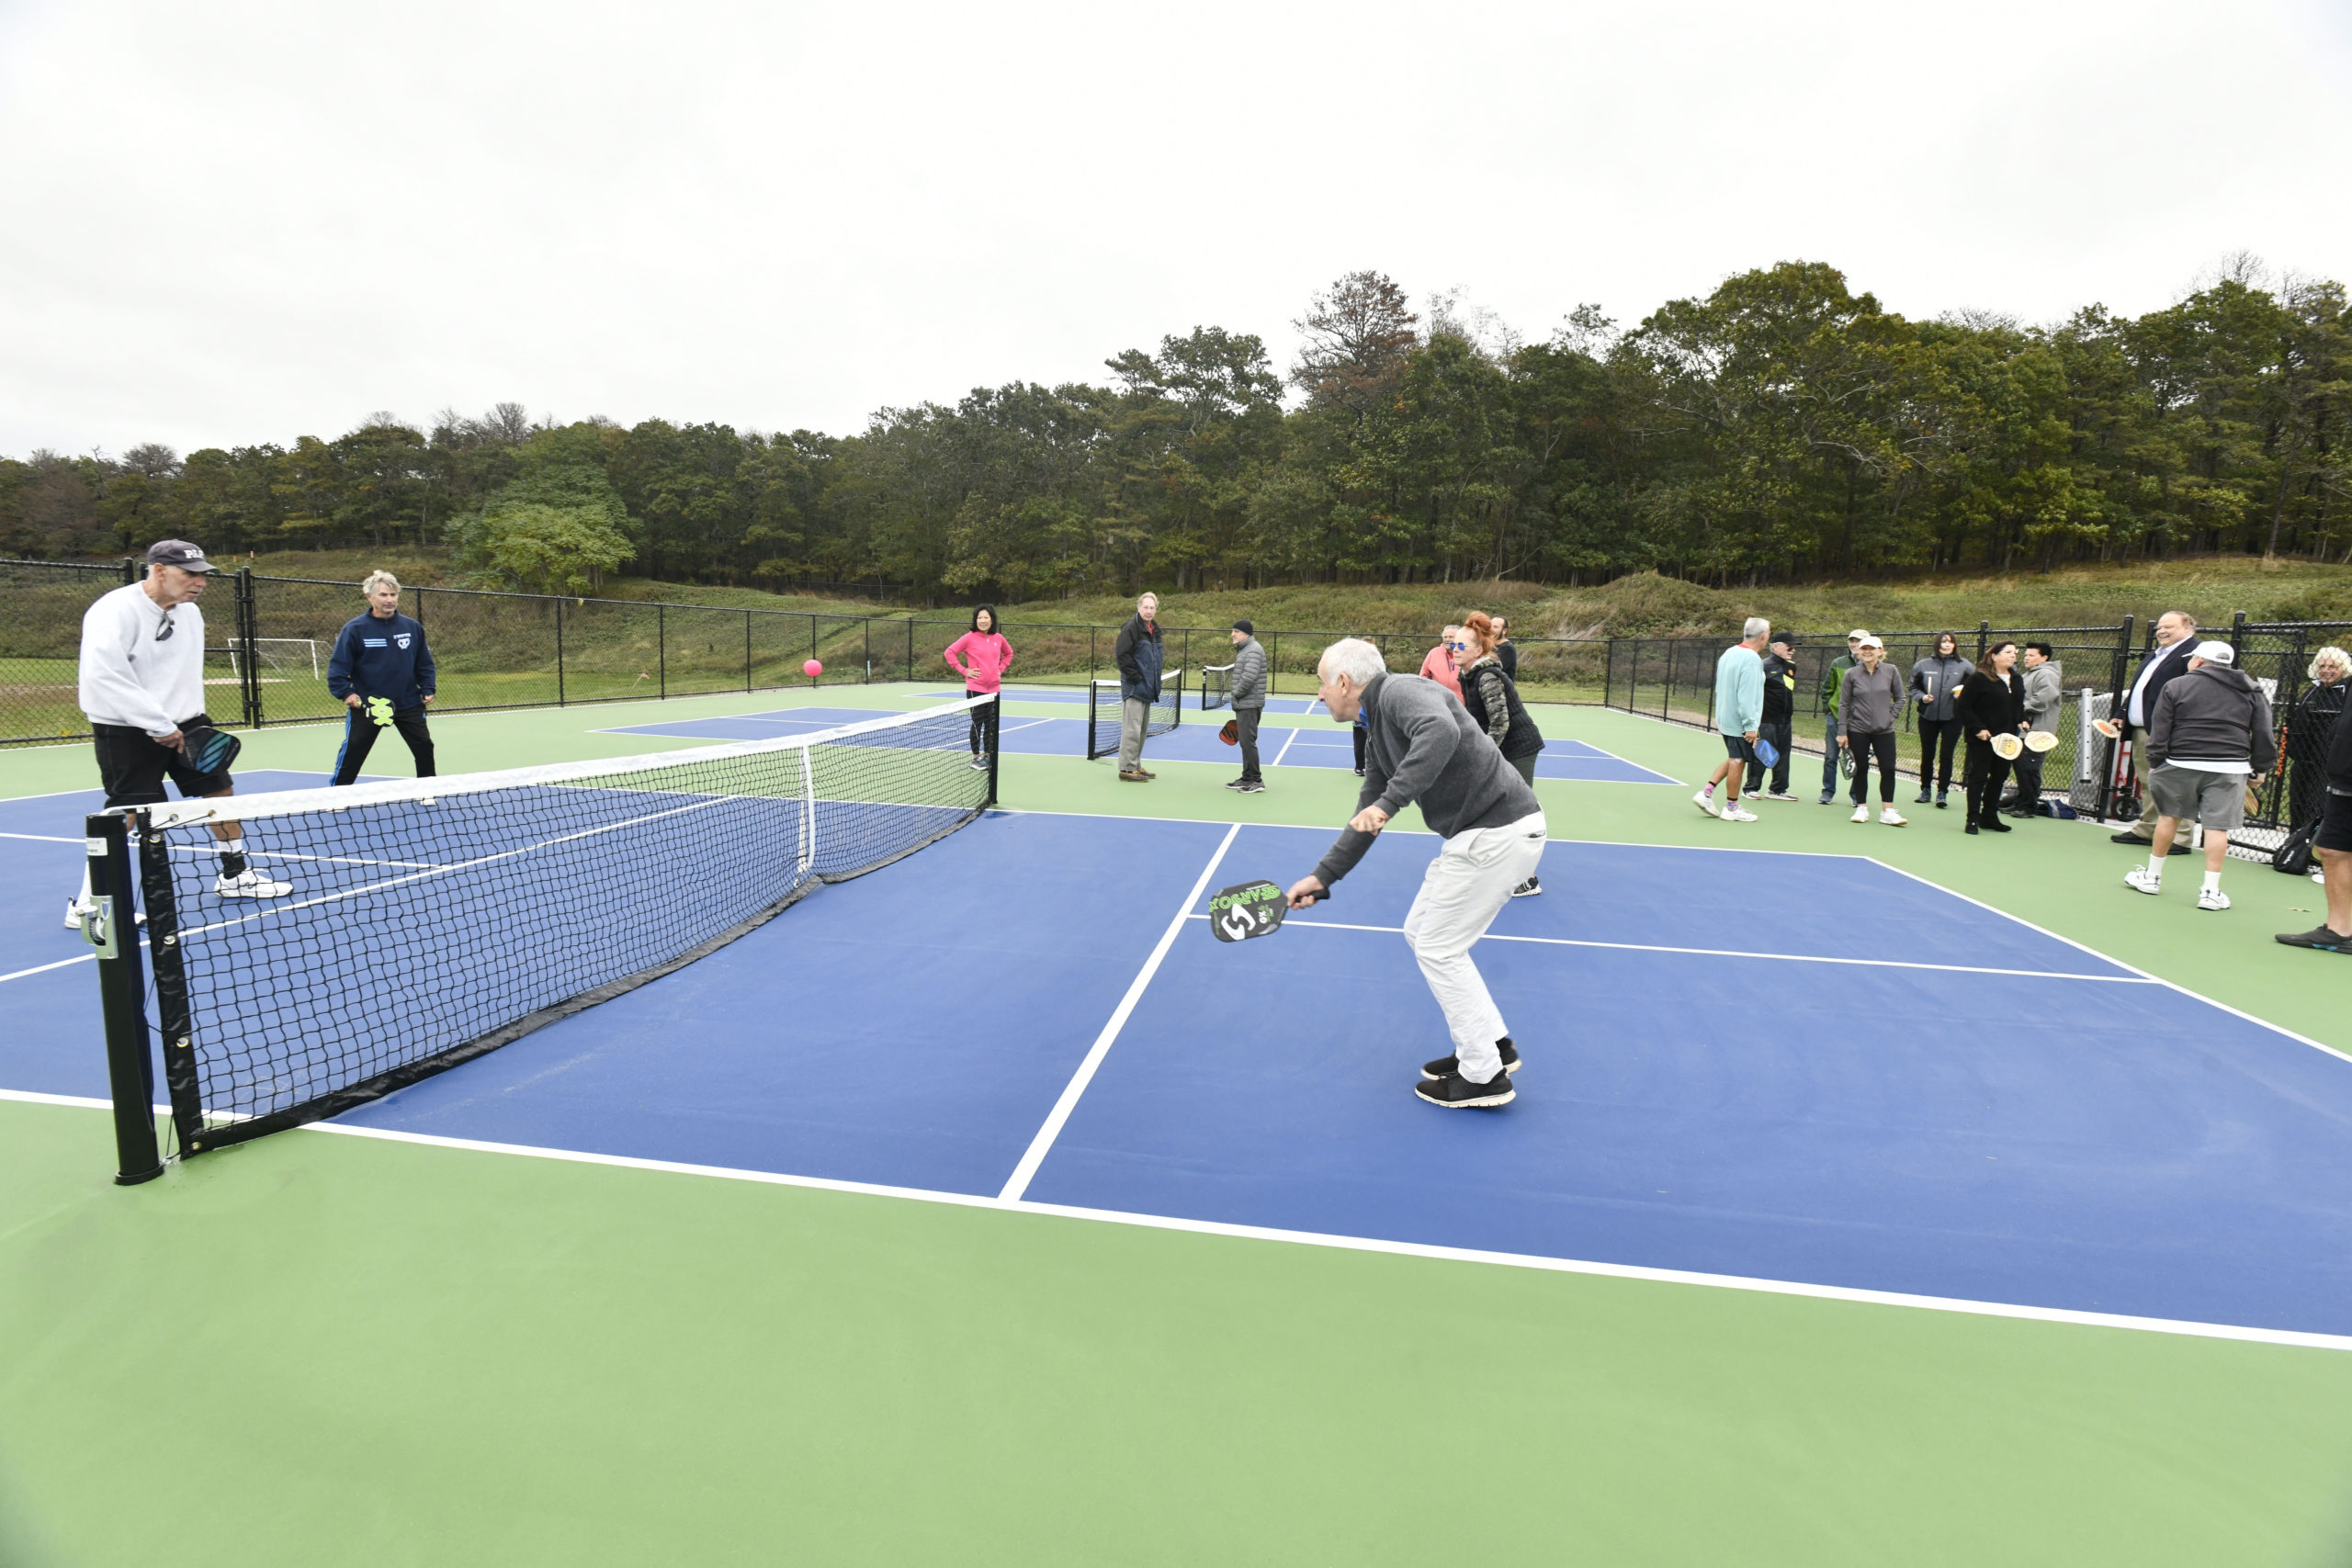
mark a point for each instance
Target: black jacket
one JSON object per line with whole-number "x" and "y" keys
{"x": 1138, "y": 653}
{"x": 2171, "y": 663}
{"x": 2339, "y": 759}
{"x": 2214, "y": 715}
{"x": 1493, "y": 702}
{"x": 1779, "y": 689}
{"x": 1987, "y": 702}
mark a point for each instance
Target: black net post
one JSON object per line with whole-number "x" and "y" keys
{"x": 996, "y": 752}
{"x": 173, "y": 1018}
{"x": 110, "y": 926}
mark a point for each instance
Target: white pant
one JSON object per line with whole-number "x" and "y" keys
{"x": 1464, "y": 890}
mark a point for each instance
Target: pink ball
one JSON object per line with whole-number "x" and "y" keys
{"x": 812, "y": 669}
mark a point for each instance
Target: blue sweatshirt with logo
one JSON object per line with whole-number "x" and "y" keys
{"x": 379, "y": 658}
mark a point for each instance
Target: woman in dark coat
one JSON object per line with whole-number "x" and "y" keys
{"x": 1492, "y": 698}
{"x": 2313, "y": 719}
{"x": 1991, "y": 702}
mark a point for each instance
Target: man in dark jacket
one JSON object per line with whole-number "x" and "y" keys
{"x": 2333, "y": 845}
{"x": 1138, "y": 653}
{"x": 1248, "y": 693}
{"x": 2209, "y": 738}
{"x": 2176, "y": 634}
{"x": 1779, "y": 716}
{"x": 1425, "y": 749}
{"x": 383, "y": 673}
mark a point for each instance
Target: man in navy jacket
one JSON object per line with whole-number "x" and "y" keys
{"x": 382, "y": 671}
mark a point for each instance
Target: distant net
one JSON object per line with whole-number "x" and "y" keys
{"x": 430, "y": 920}
{"x": 1103, "y": 707}
{"x": 276, "y": 658}
{"x": 1216, "y": 686}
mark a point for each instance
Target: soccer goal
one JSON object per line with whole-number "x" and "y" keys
{"x": 276, "y": 658}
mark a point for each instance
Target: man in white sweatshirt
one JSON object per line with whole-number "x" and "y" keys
{"x": 141, "y": 687}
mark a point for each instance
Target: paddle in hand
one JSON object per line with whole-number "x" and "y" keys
{"x": 1246, "y": 909}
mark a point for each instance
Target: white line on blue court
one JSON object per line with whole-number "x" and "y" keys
{"x": 1035, "y": 1155}
{"x": 2132, "y": 979}
{"x": 2180, "y": 1327}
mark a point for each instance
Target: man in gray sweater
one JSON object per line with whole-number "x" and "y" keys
{"x": 2210, "y": 737}
{"x": 1423, "y": 747}
{"x": 1247, "y": 687}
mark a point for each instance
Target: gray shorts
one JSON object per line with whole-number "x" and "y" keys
{"x": 2215, "y": 800}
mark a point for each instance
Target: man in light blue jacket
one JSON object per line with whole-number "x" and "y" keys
{"x": 1739, "y": 709}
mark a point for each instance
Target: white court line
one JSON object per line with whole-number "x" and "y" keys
{"x": 2132, "y": 979}
{"x": 1032, "y": 1157}
{"x": 2179, "y": 1327}
{"x": 41, "y": 838}
{"x": 1295, "y": 731}
{"x": 45, "y": 968}
{"x": 2157, "y": 979}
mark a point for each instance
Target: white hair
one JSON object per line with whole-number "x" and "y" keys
{"x": 2330, "y": 654}
{"x": 1355, "y": 657}
{"x": 379, "y": 580}
{"x": 1757, "y": 626}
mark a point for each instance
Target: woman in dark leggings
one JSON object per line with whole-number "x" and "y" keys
{"x": 1992, "y": 702}
{"x": 1935, "y": 684}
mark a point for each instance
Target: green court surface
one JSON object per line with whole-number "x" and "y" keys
{"x": 320, "y": 1347}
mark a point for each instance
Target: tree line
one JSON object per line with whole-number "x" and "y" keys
{"x": 1781, "y": 427}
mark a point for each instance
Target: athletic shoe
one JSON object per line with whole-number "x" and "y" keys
{"x": 2213, "y": 899}
{"x": 1778, "y": 794}
{"x": 251, "y": 884}
{"x": 1826, "y": 797}
{"x": 1455, "y": 1092}
{"x": 1862, "y": 814}
{"x": 1893, "y": 818}
{"x": 1735, "y": 812}
{"x": 1706, "y": 803}
{"x": 74, "y": 907}
{"x": 2324, "y": 938}
{"x": 1529, "y": 888}
{"x": 2320, "y": 877}
{"x": 2139, "y": 879}
{"x": 1235, "y": 783}
{"x": 1446, "y": 1066}
{"x": 2180, "y": 843}
{"x": 1250, "y": 786}
{"x": 1358, "y": 773}
{"x": 1133, "y": 776}
{"x": 1994, "y": 825}
{"x": 1923, "y": 797}
{"x": 2128, "y": 837}
{"x": 1940, "y": 802}
{"x": 979, "y": 763}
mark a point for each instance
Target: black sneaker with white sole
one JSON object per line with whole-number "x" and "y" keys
{"x": 1252, "y": 786}
{"x": 2325, "y": 938}
{"x": 1446, "y": 1065}
{"x": 1529, "y": 888}
{"x": 1455, "y": 1092}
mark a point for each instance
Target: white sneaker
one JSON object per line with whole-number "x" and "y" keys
{"x": 1862, "y": 814}
{"x": 2138, "y": 877}
{"x": 2213, "y": 899}
{"x": 1705, "y": 803}
{"x": 1735, "y": 812}
{"x": 73, "y": 914}
{"x": 1778, "y": 794}
{"x": 1893, "y": 818}
{"x": 251, "y": 884}
{"x": 2320, "y": 877}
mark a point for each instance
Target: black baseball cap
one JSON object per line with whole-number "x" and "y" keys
{"x": 1245, "y": 627}
{"x": 178, "y": 553}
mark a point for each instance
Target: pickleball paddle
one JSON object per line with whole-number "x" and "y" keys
{"x": 1250, "y": 909}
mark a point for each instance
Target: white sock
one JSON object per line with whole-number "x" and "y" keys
{"x": 2213, "y": 882}
{"x": 84, "y": 897}
{"x": 2155, "y": 868}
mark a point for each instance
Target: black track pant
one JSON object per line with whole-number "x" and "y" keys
{"x": 1776, "y": 730}
{"x": 1360, "y": 733}
{"x": 1937, "y": 738}
{"x": 1986, "y": 774}
{"x": 1865, "y": 746}
{"x": 359, "y": 734}
{"x": 1244, "y": 724}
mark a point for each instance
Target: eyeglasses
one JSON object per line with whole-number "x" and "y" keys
{"x": 1457, "y": 647}
{"x": 163, "y": 632}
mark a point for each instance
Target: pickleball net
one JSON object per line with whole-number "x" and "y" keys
{"x": 1216, "y": 686}
{"x": 430, "y": 920}
{"x": 1102, "y": 710}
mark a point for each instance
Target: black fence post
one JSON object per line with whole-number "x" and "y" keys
{"x": 559, "y": 653}
{"x": 2118, "y": 695}
{"x": 661, "y": 646}
{"x": 2237, "y": 638}
{"x": 248, "y": 667}
{"x": 866, "y": 625}
{"x": 812, "y": 643}
{"x": 747, "y": 652}
{"x": 111, "y": 927}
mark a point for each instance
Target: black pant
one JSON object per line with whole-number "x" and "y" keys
{"x": 1987, "y": 773}
{"x": 1937, "y": 739}
{"x": 1360, "y": 733}
{"x": 1776, "y": 730}
{"x": 983, "y": 723}
{"x": 359, "y": 734}
{"x": 2027, "y": 768}
{"x": 1246, "y": 721}
{"x": 132, "y": 766}
{"x": 1864, "y": 747}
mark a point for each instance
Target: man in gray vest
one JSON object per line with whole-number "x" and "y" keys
{"x": 1423, "y": 747}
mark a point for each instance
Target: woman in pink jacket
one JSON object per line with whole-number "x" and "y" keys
{"x": 986, "y": 657}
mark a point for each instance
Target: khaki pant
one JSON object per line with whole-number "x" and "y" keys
{"x": 2146, "y": 827}
{"x": 1133, "y": 718}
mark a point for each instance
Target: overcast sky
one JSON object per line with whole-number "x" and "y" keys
{"x": 235, "y": 221}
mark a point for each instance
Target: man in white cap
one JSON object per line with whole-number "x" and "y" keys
{"x": 143, "y": 690}
{"x": 2209, "y": 738}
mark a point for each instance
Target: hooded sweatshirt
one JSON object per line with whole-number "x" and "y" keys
{"x": 2214, "y": 715}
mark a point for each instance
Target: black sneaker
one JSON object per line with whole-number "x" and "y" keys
{"x": 1529, "y": 888}
{"x": 2179, "y": 842}
{"x": 1252, "y": 786}
{"x": 1235, "y": 783}
{"x": 1358, "y": 773}
{"x": 1923, "y": 797}
{"x": 1455, "y": 1092}
{"x": 2324, "y": 938}
{"x": 1445, "y": 1066}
